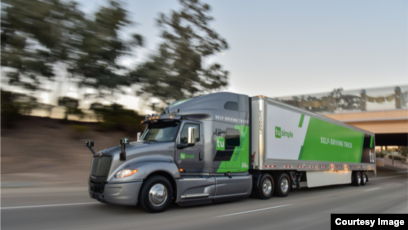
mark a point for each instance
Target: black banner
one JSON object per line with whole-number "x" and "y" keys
{"x": 369, "y": 221}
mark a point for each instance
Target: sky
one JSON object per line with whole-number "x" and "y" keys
{"x": 292, "y": 47}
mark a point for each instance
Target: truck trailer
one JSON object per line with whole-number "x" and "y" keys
{"x": 226, "y": 146}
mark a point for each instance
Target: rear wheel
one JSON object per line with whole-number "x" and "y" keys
{"x": 265, "y": 187}
{"x": 156, "y": 194}
{"x": 356, "y": 178}
{"x": 363, "y": 178}
{"x": 282, "y": 184}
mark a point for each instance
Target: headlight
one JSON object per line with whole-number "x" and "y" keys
{"x": 125, "y": 173}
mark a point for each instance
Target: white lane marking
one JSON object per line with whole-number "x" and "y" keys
{"x": 46, "y": 206}
{"x": 383, "y": 177}
{"x": 372, "y": 189}
{"x": 256, "y": 210}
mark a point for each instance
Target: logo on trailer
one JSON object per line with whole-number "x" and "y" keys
{"x": 220, "y": 143}
{"x": 282, "y": 133}
{"x": 277, "y": 132}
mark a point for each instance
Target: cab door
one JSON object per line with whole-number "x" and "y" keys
{"x": 190, "y": 158}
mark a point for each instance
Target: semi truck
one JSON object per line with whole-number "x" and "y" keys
{"x": 227, "y": 146}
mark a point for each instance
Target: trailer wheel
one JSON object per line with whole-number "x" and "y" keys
{"x": 363, "y": 178}
{"x": 356, "y": 178}
{"x": 282, "y": 184}
{"x": 156, "y": 194}
{"x": 265, "y": 187}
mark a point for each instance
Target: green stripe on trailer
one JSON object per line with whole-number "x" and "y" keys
{"x": 372, "y": 142}
{"x": 301, "y": 152}
{"x": 325, "y": 141}
{"x": 302, "y": 117}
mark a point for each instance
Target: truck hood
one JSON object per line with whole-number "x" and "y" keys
{"x": 138, "y": 153}
{"x": 138, "y": 149}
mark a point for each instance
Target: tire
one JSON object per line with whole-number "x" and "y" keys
{"x": 356, "y": 178}
{"x": 282, "y": 184}
{"x": 156, "y": 194}
{"x": 265, "y": 187}
{"x": 363, "y": 179}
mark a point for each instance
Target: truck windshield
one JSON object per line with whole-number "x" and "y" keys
{"x": 161, "y": 131}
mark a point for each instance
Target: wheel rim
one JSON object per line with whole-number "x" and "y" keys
{"x": 158, "y": 194}
{"x": 267, "y": 187}
{"x": 358, "y": 178}
{"x": 364, "y": 179}
{"x": 284, "y": 185}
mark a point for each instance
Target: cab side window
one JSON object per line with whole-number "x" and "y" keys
{"x": 184, "y": 133}
{"x": 232, "y": 138}
{"x": 231, "y": 105}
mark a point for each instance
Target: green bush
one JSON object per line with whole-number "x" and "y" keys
{"x": 403, "y": 150}
{"x": 115, "y": 117}
{"x": 79, "y": 128}
{"x": 14, "y": 106}
{"x": 398, "y": 158}
{"x": 10, "y": 111}
{"x": 380, "y": 154}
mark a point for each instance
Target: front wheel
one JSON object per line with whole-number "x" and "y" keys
{"x": 156, "y": 194}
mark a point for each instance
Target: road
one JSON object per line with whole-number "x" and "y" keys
{"x": 308, "y": 208}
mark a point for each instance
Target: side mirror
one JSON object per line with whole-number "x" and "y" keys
{"x": 191, "y": 136}
{"x": 123, "y": 143}
{"x": 89, "y": 144}
{"x": 138, "y": 136}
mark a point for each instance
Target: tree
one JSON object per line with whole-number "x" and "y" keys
{"x": 71, "y": 107}
{"x": 34, "y": 36}
{"x": 115, "y": 117}
{"x": 403, "y": 150}
{"x": 38, "y": 34}
{"x": 44, "y": 38}
{"x": 97, "y": 64}
{"x": 10, "y": 110}
{"x": 177, "y": 70}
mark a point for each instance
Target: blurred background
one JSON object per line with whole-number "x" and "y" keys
{"x": 78, "y": 70}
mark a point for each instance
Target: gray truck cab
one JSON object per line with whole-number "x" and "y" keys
{"x": 195, "y": 152}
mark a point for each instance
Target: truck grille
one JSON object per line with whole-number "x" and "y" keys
{"x": 100, "y": 166}
{"x": 95, "y": 187}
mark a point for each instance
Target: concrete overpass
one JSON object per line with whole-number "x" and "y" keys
{"x": 383, "y": 110}
{"x": 390, "y": 126}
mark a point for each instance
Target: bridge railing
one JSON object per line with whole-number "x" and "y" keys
{"x": 338, "y": 100}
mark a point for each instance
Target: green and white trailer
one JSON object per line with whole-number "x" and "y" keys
{"x": 304, "y": 149}
{"x": 226, "y": 146}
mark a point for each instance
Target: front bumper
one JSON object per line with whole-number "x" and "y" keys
{"x": 120, "y": 193}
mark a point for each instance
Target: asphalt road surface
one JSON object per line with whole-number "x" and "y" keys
{"x": 309, "y": 208}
